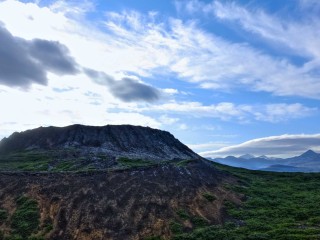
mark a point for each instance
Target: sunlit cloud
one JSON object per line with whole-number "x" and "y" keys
{"x": 275, "y": 146}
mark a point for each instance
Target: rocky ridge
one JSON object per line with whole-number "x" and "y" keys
{"x": 111, "y": 140}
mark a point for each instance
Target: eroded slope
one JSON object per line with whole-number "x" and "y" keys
{"x": 126, "y": 204}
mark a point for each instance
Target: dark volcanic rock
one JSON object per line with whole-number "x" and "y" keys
{"x": 114, "y": 140}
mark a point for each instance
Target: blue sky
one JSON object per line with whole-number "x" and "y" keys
{"x": 222, "y": 76}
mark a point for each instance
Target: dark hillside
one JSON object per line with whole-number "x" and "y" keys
{"x": 128, "y": 204}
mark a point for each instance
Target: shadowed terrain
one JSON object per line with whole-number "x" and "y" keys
{"x": 125, "y": 204}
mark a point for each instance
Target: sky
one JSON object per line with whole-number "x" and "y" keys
{"x": 225, "y": 77}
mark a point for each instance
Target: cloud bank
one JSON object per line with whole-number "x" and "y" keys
{"x": 275, "y": 146}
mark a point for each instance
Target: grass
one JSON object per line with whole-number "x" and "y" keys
{"x": 25, "y": 161}
{"x": 282, "y": 206}
{"x": 175, "y": 227}
{"x": 3, "y": 216}
{"x": 69, "y": 160}
{"x": 199, "y": 222}
{"x": 64, "y": 166}
{"x": 131, "y": 163}
{"x": 59, "y": 161}
{"x": 25, "y": 220}
{"x": 209, "y": 196}
{"x": 183, "y": 214}
{"x": 184, "y": 163}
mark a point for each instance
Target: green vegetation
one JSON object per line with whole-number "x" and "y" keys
{"x": 71, "y": 160}
{"x": 131, "y": 163}
{"x": 183, "y": 214}
{"x": 25, "y": 220}
{"x": 282, "y": 206}
{"x": 209, "y": 196}
{"x": 184, "y": 163}
{"x": 3, "y": 216}
{"x": 199, "y": 222}
{"x": 47, "y": 225}
{"x": 25, "y": 161}
{"x": 64, "y": 166}
{"x": 175, "y": 227}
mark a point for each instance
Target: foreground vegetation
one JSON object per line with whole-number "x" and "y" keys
{"x": 277, "y": 206}
{"x": 24, "y": 221}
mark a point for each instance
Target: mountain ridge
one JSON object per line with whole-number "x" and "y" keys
{"x": 113, "y": 140}
{"x": 308, "y": 161}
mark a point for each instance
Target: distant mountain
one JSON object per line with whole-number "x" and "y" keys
{"x": 309, "y": 160}
{"x": 254, "y": 163}
{"x": 306, "y": 162}
{"x": 247, "y": 156}
{"x": 111, "y": 140}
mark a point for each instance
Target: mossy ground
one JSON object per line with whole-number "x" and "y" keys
{"x": 68, "y": 160}
{"x": 24, "y": 221}
{"x": 277, "y": 206}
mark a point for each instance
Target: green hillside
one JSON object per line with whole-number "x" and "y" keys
{"x": 276, "y": 206}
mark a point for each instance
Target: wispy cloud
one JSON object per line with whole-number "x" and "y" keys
{"x": 206, "y": 146}
{"x": 301, "y": 36}
{"x": 276, "y": 146}
{"x": 241, "y": 112}
{"x": 278, "y": 75}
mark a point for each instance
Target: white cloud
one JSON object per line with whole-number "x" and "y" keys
{"x": 166, "y": 120}
{"x": 229, "y": 111}
{"x": 275, "y": 146}
{"x": 207, "y": 146}
{"x": 282, "y": 112}
{"x": 170, "y": 91}
{"x": 73, "y": 8}
{"x": 300, "y": 35}
{"x": 183, "y": 126}
{"x": 231, "y": 65}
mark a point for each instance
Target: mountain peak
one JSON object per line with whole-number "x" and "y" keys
{"x": 309, "y": 153}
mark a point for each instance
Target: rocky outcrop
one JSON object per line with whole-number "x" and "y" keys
{"x": 113, "y": 140}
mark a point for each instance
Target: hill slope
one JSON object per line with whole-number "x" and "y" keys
{"x": 134, "y": 203}
{"x": 112, "y": 140}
